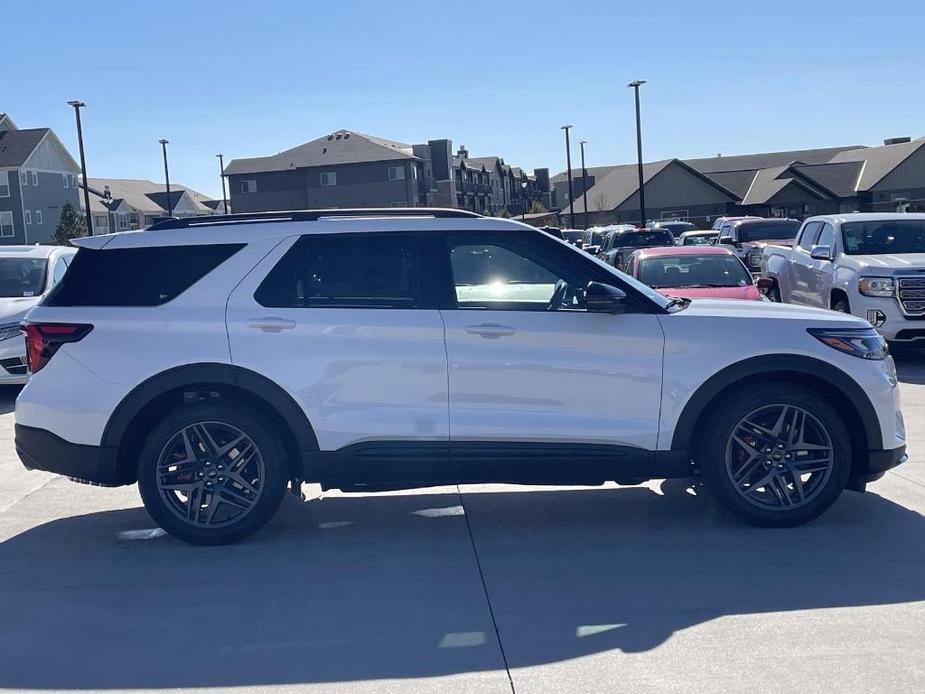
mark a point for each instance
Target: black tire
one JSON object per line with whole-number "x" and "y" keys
{"x": 841, "y": 305}
{"x": 273, "y": 474}
{"x": 722, "y": 421}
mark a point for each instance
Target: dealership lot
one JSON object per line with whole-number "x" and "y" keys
{"x": 637, "y": 589}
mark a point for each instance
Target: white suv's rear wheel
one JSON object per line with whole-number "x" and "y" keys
{"x": 776, "y": 455}
{"x": 212, "y": 473}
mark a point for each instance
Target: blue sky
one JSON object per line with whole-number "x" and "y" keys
{"x": 253, "y": 78}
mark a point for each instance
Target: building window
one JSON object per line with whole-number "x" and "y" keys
{"x": 99, "y": 220}
{"x": 399, "y": 204}
{"x": 249, "y": 186}
{"x": 74, "y": 180}
{"x": 124, "y": 222}
{"x": 67, "y": 179}
{"x": 35, "y": 178}
{"x": 150, "y": 219}
{"x": 28, "y": 216}
{"x": 329, "y": 178}
{"x": 4, "y": 184}
{"x": 23, "y": 178}
{"x": 396, "y": 173}
{"x": 6, "y": 224}
{"x": 38, "y": 218}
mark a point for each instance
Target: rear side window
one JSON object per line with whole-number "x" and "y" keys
{"x": 345, "y": 271}
{"x": 147, "y": 276}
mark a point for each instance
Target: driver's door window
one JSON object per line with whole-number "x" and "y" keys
{"x": 503, "y": 273}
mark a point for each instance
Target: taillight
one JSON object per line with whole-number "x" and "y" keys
{"x": 44, "y": 339}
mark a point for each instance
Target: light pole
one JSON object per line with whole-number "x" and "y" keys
{"x": 221, "y": 166}
{"x": 164, "y": 144}
{"x": 636, "y": 84}
{"x": 83, "y": 162}
{"x": 568, "y": 164}
{"x": 526, "y": 201}
{"x": 584, "y": 180}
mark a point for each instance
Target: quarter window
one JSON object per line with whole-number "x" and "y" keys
{"x": 349, "y": 271}
{"x": 6, "y": 224}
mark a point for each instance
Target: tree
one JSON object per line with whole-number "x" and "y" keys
{"x": 71, "y": 225}
{"x": 503, "y": 213}
{"x": 537, "y": 208}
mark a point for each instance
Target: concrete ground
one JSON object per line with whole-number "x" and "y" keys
{"x": 477, "y": 589}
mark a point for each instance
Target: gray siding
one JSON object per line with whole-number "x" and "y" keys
{"x": 49, "y": 196}
{"x": 13, "y": 204}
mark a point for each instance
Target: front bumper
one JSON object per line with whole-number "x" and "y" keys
{"x": 878, "y": 463}
{"x": 13, "y": 361}
{"x": 39, "y": 449}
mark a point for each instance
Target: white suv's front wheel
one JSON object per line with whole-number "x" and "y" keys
{"x": 775, "y": 455}
{"x": 212, "y": 473}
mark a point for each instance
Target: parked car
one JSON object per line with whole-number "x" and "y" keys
{"x": 871, "y": 265}
{"x": 621, "y": 244}
{"x": 675, "y": 226}
{"x": 573, "y": 236}
{"x": 555, "y": 232}
{"x": 706, "y": 271}
{"x": 596, "y": 237}
{"x": 370, "y": 350}
{"x": 720, "y": 221}
{"x": 27, "y": 274}
{"x": 748, "y": 237}
{"x": 696, "y": 238}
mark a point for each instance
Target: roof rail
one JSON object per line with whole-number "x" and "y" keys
{"x": 309, "y": 216}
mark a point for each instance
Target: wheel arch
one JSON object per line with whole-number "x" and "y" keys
{"x": 128, "y": 424}
{"x": 823, "y": 378}
{"x": 837, "y": 293}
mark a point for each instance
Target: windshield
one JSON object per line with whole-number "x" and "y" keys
{"x": 21, "y": 277}
{"x": 643, "y": 239}
{"x": 694, "y": 271}
{"x": 770, "y": 232}
{"x": 877, "y": 238}
{"x": 699, "y": 239}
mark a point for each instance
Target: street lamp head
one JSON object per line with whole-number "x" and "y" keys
{"x": 164, "y": 142}
{"x": 76, "y": 104}
{"x": 566, "y": 127}
{"x": 583, "y": 142}
{"x": 636, "y": 83}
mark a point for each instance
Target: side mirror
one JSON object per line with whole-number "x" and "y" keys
{"x": 764, "y": 283}
{"x": 604, "y": 298}
{"x": 821, "y": 253}
{"x": 728, "y": 240}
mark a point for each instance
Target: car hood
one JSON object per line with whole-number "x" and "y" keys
{"x": 894, "y": 262}
{"x": 731, "y": 308}
{"x": 747, "y": 292}
{"x": 13, "y": 309}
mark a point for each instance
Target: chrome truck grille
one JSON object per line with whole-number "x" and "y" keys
{"x": 911, "y": 294}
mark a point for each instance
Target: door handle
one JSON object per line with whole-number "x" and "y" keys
{"x": 490, "y": 330}
{"x": 271, "y": 324}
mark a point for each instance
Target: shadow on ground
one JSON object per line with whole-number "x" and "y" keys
{"x": 359, "y": 588}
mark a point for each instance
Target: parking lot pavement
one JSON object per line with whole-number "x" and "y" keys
{"x": 635, "y": 589}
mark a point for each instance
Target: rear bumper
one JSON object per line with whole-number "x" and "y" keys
{"x": 39, "y": 449}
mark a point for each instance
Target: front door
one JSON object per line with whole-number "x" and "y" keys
{"x": 802, "y": 267}
{"x": 541, "y": 389}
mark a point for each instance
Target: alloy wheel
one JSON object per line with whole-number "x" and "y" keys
{"x": 210, "y": 474}
{"x": 779, "y": 457}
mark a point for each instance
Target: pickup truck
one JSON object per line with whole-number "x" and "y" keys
{"x": 747, "y": 237}
{"x": 871, "y": 265}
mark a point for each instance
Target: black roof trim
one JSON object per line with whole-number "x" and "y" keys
{"x": 309, "y": 216}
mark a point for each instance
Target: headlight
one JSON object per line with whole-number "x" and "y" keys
{"x": 865, "y": 343}
{"x": 876, "y": 286}
{"x": 10, "y": 330}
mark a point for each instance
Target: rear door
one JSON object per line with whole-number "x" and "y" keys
{"x": 339, "y": 321}
{"x": 543, "y": 390}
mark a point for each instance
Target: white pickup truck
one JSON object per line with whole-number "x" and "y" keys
{"x": 871, "y": 265}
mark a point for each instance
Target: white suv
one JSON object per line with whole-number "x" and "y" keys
{"x": 214, "y": 360}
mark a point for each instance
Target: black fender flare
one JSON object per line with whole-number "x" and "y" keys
{"x": 768, "y": 365}
{"x": 211, "y": 373}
